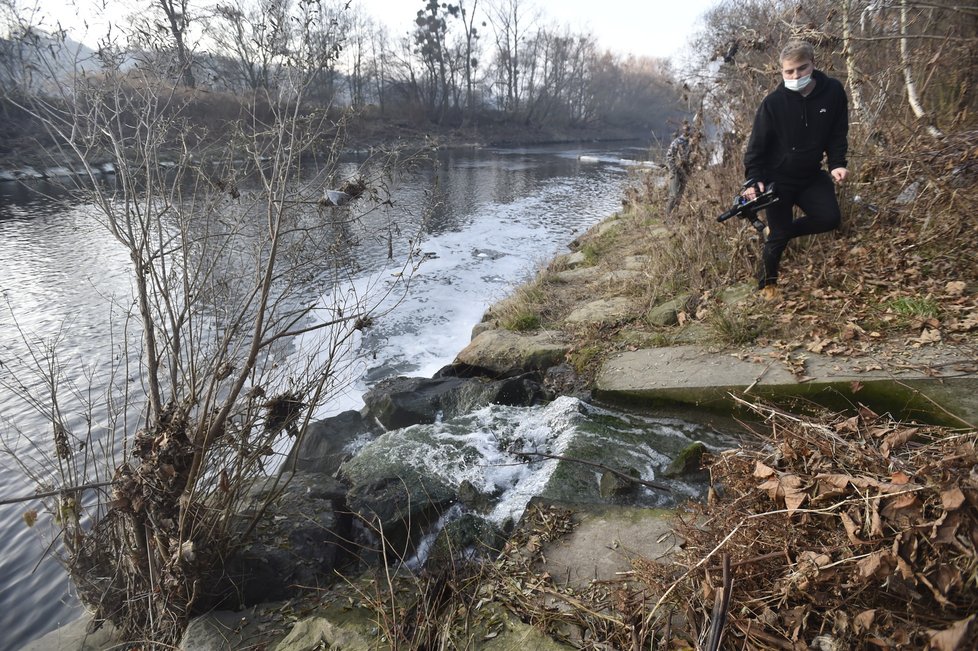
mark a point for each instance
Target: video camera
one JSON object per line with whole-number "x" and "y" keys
{"x": 748, "y": 208}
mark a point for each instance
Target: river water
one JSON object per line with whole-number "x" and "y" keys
{"x": 489, "y": 219}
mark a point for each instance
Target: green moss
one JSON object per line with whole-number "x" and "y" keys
{"x": 583, "y": 359}
{"x": 522, "y": 322}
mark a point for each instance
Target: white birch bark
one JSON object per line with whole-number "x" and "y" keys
{"x": 913, "y": 96}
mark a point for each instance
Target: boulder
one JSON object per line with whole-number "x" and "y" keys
{"x": 230, "y": 630}
{"x": 604, "y": 542}
{"x": 402, "y": 401}
{"x": 602, "y": 311}
{"x": 297, "y": 543}
{"x": 580, "y": 276}
{"x": 609, "y": 225}
{"x": 483, "y": 326}
{"x": 564, "y": 380}
{"x": 75, "y": 637}
{"x": 391, "y": 489}
{"x": 571, "y": 260}
{"x": 502, "y": 353}
{"x": 688, "y": 461}
{"x": 622, "y": 277}
{"x": 614, "y": 485}
{"x": 327, "y": 443}
{"x": 473, "y": 498}
{"x": 667, "y": 314}
{"x": 465, "y": 537}
{"x": 317, "y": 632}
{"x": 738, "y": 293}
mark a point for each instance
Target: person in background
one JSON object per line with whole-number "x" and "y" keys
{"x": 678, "y": 164}
{"x": 803, "y": 121}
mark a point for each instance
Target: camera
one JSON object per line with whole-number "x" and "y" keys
{"x": 748, "y": 208}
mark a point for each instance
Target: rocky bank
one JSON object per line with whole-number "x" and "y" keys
{"x": 354, "y": 478}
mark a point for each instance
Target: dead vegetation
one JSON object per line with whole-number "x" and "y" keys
{"x": 835, "y": 532}
{"x": 841, "y": 532}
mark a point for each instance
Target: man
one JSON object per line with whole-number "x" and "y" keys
{"x": 803, "y": 120}
{"x": 678, "y": 164}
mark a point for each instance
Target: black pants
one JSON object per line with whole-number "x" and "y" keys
{"x": 816, "y": 198}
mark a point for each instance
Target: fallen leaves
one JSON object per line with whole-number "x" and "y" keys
{"x": 868, "y": 529}
{"x": 951, "y": 638}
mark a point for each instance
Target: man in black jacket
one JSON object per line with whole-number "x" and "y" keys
{"x": 803, "y": 120}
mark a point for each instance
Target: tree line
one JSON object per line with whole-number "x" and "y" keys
{"x": 457, "y": 64}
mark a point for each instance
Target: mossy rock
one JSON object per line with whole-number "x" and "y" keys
{"x": 689, "y": 461}
{"x": 667, "y": 314}
{"x": 614, "y": 485}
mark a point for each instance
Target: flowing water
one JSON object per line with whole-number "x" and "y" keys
{"x": 488, "y": 219}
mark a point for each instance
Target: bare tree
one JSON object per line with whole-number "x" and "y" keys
{"x": 472, "y": 35}
{"x": 222, "y": 248}
{"x": 252, "y": 37}
{"x": 511, "y": 23}
{"x": 177, "y": 21}
{"x": 913, "y": 95}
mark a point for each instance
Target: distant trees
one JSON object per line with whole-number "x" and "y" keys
{"x": 457, "y": 63}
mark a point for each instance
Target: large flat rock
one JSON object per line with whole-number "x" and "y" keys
{"x": 935, "y": 384}
{"x": 604, "y": 542}
{"x": 505, "y": 354}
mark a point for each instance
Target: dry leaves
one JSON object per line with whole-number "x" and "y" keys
{"x": 859, "y": 526}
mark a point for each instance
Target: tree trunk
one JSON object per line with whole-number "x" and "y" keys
{"x": 912, "y": 94}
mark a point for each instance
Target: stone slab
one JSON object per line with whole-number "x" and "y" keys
{"x": 602, "y": 311}
{"x": 604, "y": 542}
{"x": 936, "y": 384}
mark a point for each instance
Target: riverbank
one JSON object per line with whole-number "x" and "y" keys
{"x": 33, "y": 156}
{"x": 565, "y": 562}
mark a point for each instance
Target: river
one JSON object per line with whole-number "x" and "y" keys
{"x": 489, "y": 219}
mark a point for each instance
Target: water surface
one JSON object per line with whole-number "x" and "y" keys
{"x": 488, "y": 219}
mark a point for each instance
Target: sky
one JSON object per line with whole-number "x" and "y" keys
{"x": 657, "y": 28}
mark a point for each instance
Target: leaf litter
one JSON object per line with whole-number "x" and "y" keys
{"x": 842, "y": 532}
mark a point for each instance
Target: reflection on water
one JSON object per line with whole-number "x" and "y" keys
{"x": 488, "y": 219}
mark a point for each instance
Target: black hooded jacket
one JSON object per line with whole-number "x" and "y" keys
{"x": 792, "y": 132}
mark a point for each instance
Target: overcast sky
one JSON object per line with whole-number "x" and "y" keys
{"x": 658, "y": 28}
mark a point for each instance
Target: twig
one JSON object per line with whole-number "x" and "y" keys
{"x": 778, "y": 643}
{"x": 722, "y": 605}
{"x": 643, "y": 482}
{"x": 72, "y": 489}
{"x": 758, "y": 378}
{"x": 703, "y": 560}
{"x": 756, "y": 559}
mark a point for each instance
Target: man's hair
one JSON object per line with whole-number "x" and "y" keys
{"x": 797, "y": 50}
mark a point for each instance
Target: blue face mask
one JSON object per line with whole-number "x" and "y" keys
{"x": 797, "y": 84}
